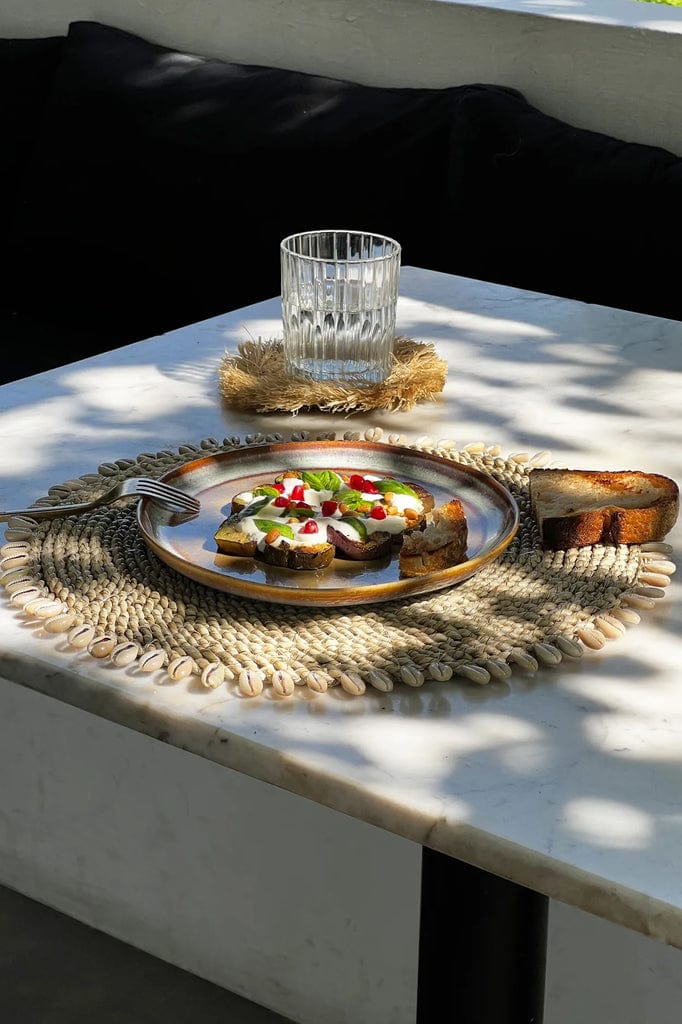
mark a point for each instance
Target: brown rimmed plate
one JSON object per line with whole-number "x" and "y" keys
{"x": 187, "y": 544}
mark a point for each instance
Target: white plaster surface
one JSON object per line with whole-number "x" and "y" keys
{"x": 310, "y": 913}
{"x": 607, "y": 65}
{"x": 567, "y": 781}
{"x": 598, "y": 973}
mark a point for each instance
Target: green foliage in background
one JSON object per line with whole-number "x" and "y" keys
{"x": 670, "y": 3}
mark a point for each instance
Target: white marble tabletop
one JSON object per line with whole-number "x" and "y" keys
{"x": 567, "y": 780}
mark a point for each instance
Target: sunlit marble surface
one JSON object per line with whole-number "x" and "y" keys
{"x": 645, "y": 16}
{"x": 569, "y": 780}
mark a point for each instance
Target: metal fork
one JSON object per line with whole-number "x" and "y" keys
{"x": 141, "y": 486}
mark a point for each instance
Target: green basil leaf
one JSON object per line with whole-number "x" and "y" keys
{"x": 394, "y": 487}
{"x": 357, "y": 524}
{"x": 253, "y": 507}
{"x": 300, "y": 513}
{"x": 267, "y": 524}
{"x": 272, "y": 492}
{"x": 321, "y": 480}
{"x": 350, "y": 498}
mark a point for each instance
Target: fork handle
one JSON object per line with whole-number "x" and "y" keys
{"x": 46, "y": 512}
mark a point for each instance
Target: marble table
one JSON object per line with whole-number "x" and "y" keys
{"x": 563, "y": 784}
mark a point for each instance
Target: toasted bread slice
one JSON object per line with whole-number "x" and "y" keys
{"x": 232, "y": 541}
{"x": 312, "y": 556}
{"x": 577, "y": 507}
{"x": 441, "y": 544}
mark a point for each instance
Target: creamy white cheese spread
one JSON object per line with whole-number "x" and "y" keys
{"x": 270, "y": 512}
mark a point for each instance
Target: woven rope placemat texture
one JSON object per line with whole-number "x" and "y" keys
{"x": 255, "y": 379}
{"x": 93, "y": 578}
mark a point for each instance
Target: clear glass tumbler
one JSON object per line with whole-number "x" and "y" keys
{"x": 339, "y": 294}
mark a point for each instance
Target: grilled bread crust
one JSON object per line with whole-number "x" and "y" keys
{"x": 441, "y": 544}
{"x": 576, "y": 507}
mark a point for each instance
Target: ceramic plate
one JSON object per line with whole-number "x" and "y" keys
{"x": 187, "y": 545}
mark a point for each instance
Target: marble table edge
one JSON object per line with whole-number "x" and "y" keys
{"x": 530, "y": 868}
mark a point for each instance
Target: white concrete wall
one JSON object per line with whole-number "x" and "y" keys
{"x": 598, "y": 973}
{"x": 609, "y": 65}
{"x": 294, "y": 906}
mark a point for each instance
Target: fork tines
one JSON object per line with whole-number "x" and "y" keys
{"x": 163, "y": 492}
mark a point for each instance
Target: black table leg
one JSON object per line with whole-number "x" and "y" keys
{"x": 482, "y": 946}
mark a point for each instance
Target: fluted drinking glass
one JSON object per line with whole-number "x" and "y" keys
{"x": 339, "y": 295}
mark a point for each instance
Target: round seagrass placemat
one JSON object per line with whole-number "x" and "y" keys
{"x": 255, "y": 379}
{"x": 92, "y": 578}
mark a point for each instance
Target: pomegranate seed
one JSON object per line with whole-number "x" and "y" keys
{"x": 281, "y": 502}
{"x": 279, "y": 488}
{"x": 378, "y": 512}
{"x": 329, "y": 507}
{"x": 298, "y": 493}
{"x": 303, "y": 504}
{"x": 368, "y": 487}
{"x": 310, "y": 526}
{"x": 356, "y": 481}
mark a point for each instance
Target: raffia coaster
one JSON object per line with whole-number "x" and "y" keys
{"x": 92, "y": 578}
{"x": 255, "y": 379}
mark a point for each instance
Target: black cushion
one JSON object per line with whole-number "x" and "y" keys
{"x": 27, "y": 67}
{"x": 558, "y": 209}
{"x": 163, "y": 183}
{"x": 34, "y": 341}
{"x": 511, "y": 141}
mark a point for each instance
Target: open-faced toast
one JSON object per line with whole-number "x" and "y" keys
{"x": 304, "y": 518}
{"x": 575, "y": 507}
{"x": 441, "y": 544}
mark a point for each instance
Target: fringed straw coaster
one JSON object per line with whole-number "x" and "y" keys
{"x": 92, "y": 578}
{"x": 255, "y": 380}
